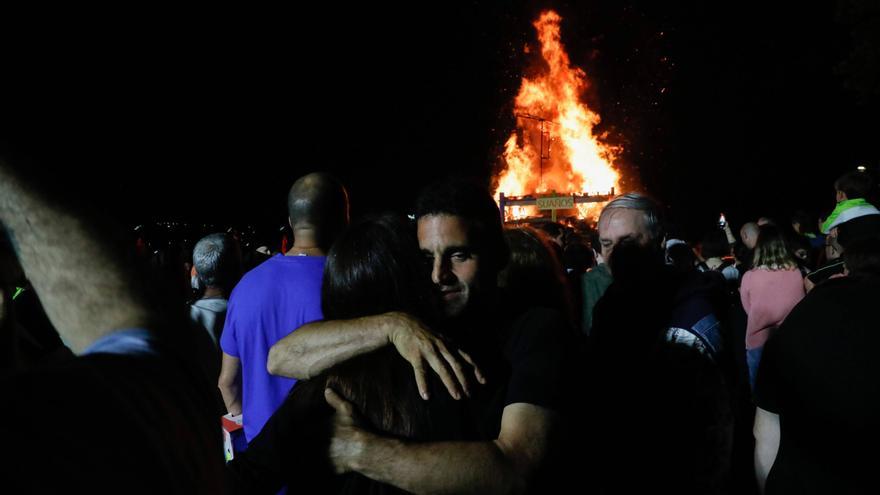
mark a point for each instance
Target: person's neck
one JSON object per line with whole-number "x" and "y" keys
{"x": 305, "y": 244}
{"x": 214, "y": 293}
{"x": 304, "y": 251}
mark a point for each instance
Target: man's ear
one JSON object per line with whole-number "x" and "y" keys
{"x": 290, "y": 222}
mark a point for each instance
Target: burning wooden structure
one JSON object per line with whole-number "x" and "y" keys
{"x": 555, "y": 154}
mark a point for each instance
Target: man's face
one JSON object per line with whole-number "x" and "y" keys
{"x": 622, "y": 225}
{"x": 454, "y": 263}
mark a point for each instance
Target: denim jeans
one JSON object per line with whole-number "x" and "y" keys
{"x": 753, "y": 358}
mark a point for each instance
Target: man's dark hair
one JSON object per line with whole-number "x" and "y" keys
{"x": 553, "y": 229}
{"x": 318, "y": 202}
{"x": 714, "y": 244}
{"x": 855, "y": 184}
{"x": 472, "y": 203}
{"x": 681, "y": 257}
{"x": 577, "y": 257}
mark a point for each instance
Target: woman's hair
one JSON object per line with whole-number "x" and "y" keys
{"x": 534, "y": 276}
{"x": 772, "y": 250}
{"x": 577, "y": 257}
{"x": 375, "y": 267}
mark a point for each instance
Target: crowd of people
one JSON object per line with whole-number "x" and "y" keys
{"x": 449, "y": 353}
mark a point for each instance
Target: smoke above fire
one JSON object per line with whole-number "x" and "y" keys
{"x": 555, "y": 147}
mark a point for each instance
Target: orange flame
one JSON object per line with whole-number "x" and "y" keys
{"x": 554, "y": 148}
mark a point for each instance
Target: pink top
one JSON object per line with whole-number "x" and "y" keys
{"x": 768, "y": 296}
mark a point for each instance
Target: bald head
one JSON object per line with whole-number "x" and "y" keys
{"x": 749, "y": 234}
{"x": 318, "y": 205}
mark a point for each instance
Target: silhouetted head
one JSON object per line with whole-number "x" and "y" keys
{"x": 216, "y": 261}
{"x": 852, "y": 185}
{"x": 534, "y": 276}
{"x": 318, "y": 206}
{"x": 714, "y": 245}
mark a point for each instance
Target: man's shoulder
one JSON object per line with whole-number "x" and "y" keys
{"x": 846, "y": 293}
{"x": 213, "y": 305}
{"x": 266, "y": 274}
{"x": 538, "y": 347}
{"x": 538, "y": 324}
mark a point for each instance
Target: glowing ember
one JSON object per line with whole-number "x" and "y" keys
{"x": 554, "y": 148}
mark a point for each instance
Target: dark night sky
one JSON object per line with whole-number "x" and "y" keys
{"x": 211, "y": 115}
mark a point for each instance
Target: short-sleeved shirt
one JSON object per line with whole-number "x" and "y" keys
{"x": 820, "y": 374}
{"x": 269, "y": 302}
{"x": 528, "y": 358}
{"x": 523, "y": 353}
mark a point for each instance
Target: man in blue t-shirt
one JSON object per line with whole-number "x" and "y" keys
{"x": 276, "y": 298}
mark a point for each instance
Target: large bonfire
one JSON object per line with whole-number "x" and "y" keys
{"x": 555, "y": 148}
